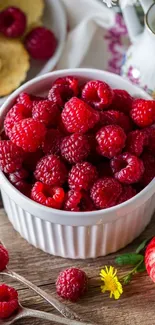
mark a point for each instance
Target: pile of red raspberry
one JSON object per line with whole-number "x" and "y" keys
{"x": 83, "y": 148}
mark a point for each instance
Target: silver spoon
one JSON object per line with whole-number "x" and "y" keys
{"x": 64, "y": 310}
{"x": 26, "y": 312}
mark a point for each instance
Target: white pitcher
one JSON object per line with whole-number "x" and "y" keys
{"x": 139, "y": 62}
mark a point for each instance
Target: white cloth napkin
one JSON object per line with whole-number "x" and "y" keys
{"x": 85, "y": 44}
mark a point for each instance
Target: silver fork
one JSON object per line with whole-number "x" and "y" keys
{"x": 26, "y": 312}
{"x": 64, "y": 310}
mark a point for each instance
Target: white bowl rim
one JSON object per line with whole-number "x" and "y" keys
{"x": 104, "y": 214}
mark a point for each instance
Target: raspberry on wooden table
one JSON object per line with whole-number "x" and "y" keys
{"x": 12, "y": 22}
{"x": 149, "y": 164}
{"x": 41, "y": 43}
{"x": 111, "y": 140}
{"x": 52, "y": 142}
{"x": 127, "y": 193}
{"x": 28, "y": 134}
{"x": 122, "y": 101}
{"x": 82, "y": 176}
{"x": 17, "y": 113}
{"x": 71, "y": 284}
{"x": 8, "y": 301}
{"x": 105, "y": 192}
{"x": 52, "y": 197}
{"x": 75, "y": 147}
{"x": 127, "y": 168}
{"x": 4, "y": 258}
{"x": 116, "y": 117}
{"x": 11, "y": 157}
{"x": 46, "y": 112}
{"x": 26, "y": 100}
{"x": 143, "y": 112}
{"x": 69, "y": 81}
{"x": 77, "y": 116}
{"x": 98, "y": 94}
{"x": 51, "y": 171}
{"x": 136, "y": 142}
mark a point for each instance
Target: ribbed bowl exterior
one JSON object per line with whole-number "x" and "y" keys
{"x": 79, "y": 241}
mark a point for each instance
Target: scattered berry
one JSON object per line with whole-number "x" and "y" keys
{"x": 41, "y": 43}
{"x": 26, "y": 100}
{"x": 105, "y": 192}
{"x": 71, "y": 284}
{"x": 149, "y": 164}
{"x": 136, "y": 141}
{"x": 17, "y": 113}
{"x": 70, "y": 82}
{"x": 52, "y": 142}
{"x": 77, "y": 116}
{"x": 12, "y": 22}
{"x": 4, "y": 258}
{"x": 97, "y": 94}
{"x": 8, "y": 301}
{"x": 127, "y": 193}
{"x": 28, "y": 134}
{"x": 82, "y": 176}
{"x": 127, "y": 168}
{"x": 150, "y": 259}
{"x": 116, "y": 117}
{"x": 52, "y": 197}
{"x": 11, "y": 157}
{"x": 111, "y": 140}
{"x": 46, "y": 112}
{"x": 122, "y": 101}
{"x": 143, "y": 112}
{"x": 51, "y": 171}
{"x": 75, "y": 148}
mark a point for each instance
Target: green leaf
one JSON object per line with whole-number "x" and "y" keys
{"x": 129, "y": 259}
{"x": 127, "y": 278}
{"x": 142, "y": 246}
{"x": 141, "y": 268}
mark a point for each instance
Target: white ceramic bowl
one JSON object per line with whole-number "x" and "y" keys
{"x": 54, "y": 18}
{"x": 77, "y": 234}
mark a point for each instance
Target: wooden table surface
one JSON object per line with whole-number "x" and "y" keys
{"x": 136, "y": 306}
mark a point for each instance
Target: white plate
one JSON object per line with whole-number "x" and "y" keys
{"x": 55, "y": 19}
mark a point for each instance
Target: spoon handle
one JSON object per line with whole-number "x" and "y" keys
{"x": 64, "y": 310}
{"x": 51, "y": 317}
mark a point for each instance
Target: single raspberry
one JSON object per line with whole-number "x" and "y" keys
{"x": 143, "y": 112}
{"x": 70, "y": 82}
{"x": 116, "y": 117}
{"x": 111, "y": 140}
{"x": 150, "y": 259}
{"x": 51, "y": 171}
{"x": 52, "y": 197}
{"x": 60, "y": 94}
{"x": 71, "y": 284}
{"x": 11, "y": 157}
{"x": 12, "y": 22}
{"x": 149, "y": 164}
{"x": 41, "y": 43}
{"x": 128, "y": 169}
{"x": 17, "y": 113}
{"x": 105, "y": 192}
{"x": 97, "y": 94}
{"x": 122, "y": 101}
{"x": 104, "y": 169}
{"x": 4, "y": 258}
{"x": 72, "y": 201}
{"x": 82, "y": 176}
{"x": 20, "y": 180}
{"x": 28, "y": 134}
{"x": 127, "y": 193}
{"x": 150, "y": 135}
{"x": 8, "y": 301}
{"x": 31, "y": 159}
{"x": 52, "y": 142}
{"x": 75, "y": 148}
{"x": 136, "y": 142}
{"x": 77, "y": 116}
{"x": 46, "y": 112}
{"x": 26, "y": 100}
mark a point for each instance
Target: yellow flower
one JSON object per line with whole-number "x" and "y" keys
{"x": 111, "y": 282}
